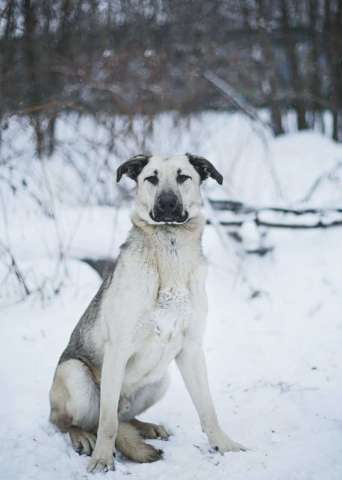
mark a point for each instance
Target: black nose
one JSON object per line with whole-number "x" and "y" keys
{"x": 167, "y": 203}
{"x": 168, "y": 208}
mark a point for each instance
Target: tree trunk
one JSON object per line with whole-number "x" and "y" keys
{"x": 331, "y": 27}
{"x": 290, "y": 45}
{"x": 268, "y": 69}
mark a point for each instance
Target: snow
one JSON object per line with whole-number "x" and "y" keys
{"x": 274, "y": 365}
{"x": 313, "y": 154}
{"x": 273, "y": 340}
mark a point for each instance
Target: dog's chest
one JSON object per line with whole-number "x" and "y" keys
{"x": 161, "y": 330}
{"x": 171, "y": 315}
{"x": 164, "y": 331}
{"x": 167, "y": 323}
{"x": 172, "y": 310}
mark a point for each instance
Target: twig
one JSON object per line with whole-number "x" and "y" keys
{"x": 237, "y": 100}
{"x": 53, "y": 104}
{"x": 258, "y": 124}
{"x": 318, "y": 182}
{"x": 239, "y": 207}
{"x": 16, "y": 269}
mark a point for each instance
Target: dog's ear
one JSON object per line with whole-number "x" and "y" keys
{"x": 132, "y": 167}
{"x": 204, "y": 168}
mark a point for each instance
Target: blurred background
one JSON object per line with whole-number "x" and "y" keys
{"x": 255, "y": 86}
{"x": 99, "y": 57}
{"x": 84, "y": 84}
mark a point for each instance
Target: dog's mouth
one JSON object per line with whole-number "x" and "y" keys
{"x": 170, "y": 219}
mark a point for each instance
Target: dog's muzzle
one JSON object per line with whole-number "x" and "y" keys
{"x": 168, "y": 209}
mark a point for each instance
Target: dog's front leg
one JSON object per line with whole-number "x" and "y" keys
{"x": 113, "y": 368}
{"x": 192, "y": 365}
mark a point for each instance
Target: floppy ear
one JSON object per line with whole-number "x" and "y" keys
{"x": 132, "y": 167}
{"x": 204, "y": 168}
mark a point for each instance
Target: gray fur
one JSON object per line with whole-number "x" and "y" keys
{"x": 78, "y": 348}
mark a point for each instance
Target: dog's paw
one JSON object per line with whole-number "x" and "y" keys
{"x": 220, "y": 442}
{"x": 151, "y": 430}
{"x": 83, "y": 442}
{"x": 146, "y": 453}
{"x": 160, "y": 432}
{"x": 101, "y": 463}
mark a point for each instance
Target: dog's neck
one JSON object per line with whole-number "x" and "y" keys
{"x": 176, "y": 249}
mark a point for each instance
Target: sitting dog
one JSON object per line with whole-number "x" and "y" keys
{"x": 149, "y": 311}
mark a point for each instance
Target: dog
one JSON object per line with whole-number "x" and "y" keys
{"x": 149, "y": 311}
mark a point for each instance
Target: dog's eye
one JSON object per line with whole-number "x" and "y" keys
{"x": 182, "y": 178}
{"x": 152, "y": 179}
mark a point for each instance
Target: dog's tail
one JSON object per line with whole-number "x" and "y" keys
{"x": 130, "y": 444}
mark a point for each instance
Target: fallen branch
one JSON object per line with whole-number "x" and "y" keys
{"x": 295, "y": 226}
{"x": 241, "y": 208}
{"x": 251, "y": 213}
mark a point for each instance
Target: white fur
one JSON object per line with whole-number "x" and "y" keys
{"x": 154, "y": 312}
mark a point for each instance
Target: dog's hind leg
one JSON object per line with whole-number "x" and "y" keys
{"x": 130, "y": 443}
{"x": 83, "y": 442}
{"x": 74, "y": 400}
{"x": 132, "y": 431}
{"x": 141, "y": 401}
{"x": 150, "y": 430}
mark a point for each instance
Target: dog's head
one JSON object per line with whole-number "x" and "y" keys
{"x": 168, "y": 187}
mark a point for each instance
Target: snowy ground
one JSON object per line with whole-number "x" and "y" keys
{"x": 274, "y": 360}
{"x": 274, "y": 363}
